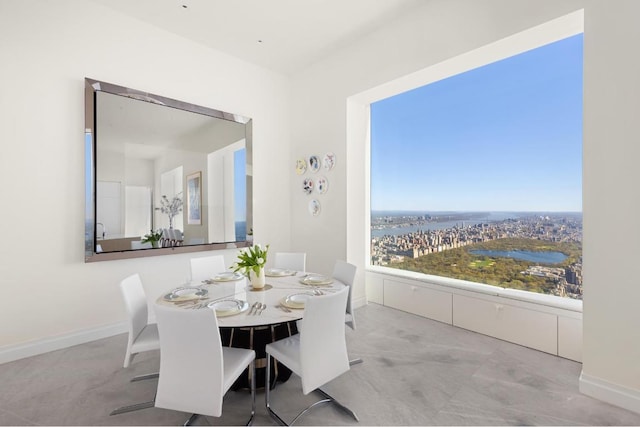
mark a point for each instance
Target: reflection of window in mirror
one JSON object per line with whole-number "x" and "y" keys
{"x": 227, "y": 202}
{"x": 240, "y": 189}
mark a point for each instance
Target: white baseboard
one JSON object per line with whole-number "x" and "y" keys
{"x": 9, "y": 353}
{"x": 359, "y": 302}
{"x": 614, "y": 394}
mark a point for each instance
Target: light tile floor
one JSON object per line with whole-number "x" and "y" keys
{"x": 415, "y": 372}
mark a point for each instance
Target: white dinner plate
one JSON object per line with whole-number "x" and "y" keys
{"x": 295, "y": 300}
{"x": 228, "y": 307}
{"x": 185, "y": 294}
{"x": 278, "y": 272}
{"x": 227, "y": 276}
{"x": 316, "y": 280}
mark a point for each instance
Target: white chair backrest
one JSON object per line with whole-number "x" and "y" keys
{"x": 207, "y": 267}
{"x": 191, "y": 362}
{"x": 323, "y": 347}
{"x": 135, "y": 300}
{"x": 346, "y": 273}
{"x": 290, "y": 260}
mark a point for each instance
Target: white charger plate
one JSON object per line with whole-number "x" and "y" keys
{"x": 316, "y": 280}
{"x": 278, "y": 272}
{"x": 296, "y": 301}
{"x": 227, "y": 276}
{"x": 185, "y": 294}
{"x": 228, "y": 307}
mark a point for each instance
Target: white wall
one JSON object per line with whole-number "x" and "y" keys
{"x": 443, "y": 29}
{"x": 48, "y": 48}
{"x": 611, "y": 202}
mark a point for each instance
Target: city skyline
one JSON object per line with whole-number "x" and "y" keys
{"x": 503, "y": 137}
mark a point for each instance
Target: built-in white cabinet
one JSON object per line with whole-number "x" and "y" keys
{"x": 522, "y": 326}
{"x": 420, "y": 300}
{"x": 489, "y": 310}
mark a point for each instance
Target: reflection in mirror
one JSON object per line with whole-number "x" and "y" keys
{"x": 154, "y": 163}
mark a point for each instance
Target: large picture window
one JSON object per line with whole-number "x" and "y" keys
{"x": 478, "y": 176}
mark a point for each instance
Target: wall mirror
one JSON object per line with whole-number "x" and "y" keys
{"x": 157, "y": 164}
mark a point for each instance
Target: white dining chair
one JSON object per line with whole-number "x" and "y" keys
{"x": 196, "y": 371}
{"x": 346, "y": 273}
{"x": 206, "y": 267}
{"x": 143, "y": 336}
{"x": 318, "y": 354}
{"x": 296, "y": 261}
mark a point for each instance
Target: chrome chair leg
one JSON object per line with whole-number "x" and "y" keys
{"x": 327, "y": 399}
{"x": 145, "y": 377}
{"x": 134, "y": 407}
{"x": 355, "y": 361}
{"x": 137, "y": 406}
{"x": 194, "y": 417}
{"x": 338, "y": 404}
{"x": 304, "y": 411}
{"x": 252, "y": 373}
{"x": 191, "y": 419}
{"x": 267, "y": 382}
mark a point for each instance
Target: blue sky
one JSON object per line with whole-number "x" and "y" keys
{"x": 503, "y": 137}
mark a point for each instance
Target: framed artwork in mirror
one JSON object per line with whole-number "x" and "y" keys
{"x": 194, "y": 198}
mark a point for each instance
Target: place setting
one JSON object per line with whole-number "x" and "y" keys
{"x": 279, "y": 272}
{"x": 316, "y": 280}
{"x": 228, "y": 307}
{"x": 226, "y": 276}
{"x": 186, "y": 296}
{"x": 295, "y": 301}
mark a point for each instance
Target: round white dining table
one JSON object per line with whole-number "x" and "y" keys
{"x": 276, "y": 290}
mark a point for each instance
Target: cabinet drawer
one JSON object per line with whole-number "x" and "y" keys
{"x": 418, "y": 300}
{"x": 522, "y": 326}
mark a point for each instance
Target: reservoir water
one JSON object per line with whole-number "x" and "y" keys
{"x": 537, "y": 257}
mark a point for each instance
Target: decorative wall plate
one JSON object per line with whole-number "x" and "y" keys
{"x": 301, "y": 166}
{"x": 322, "y": 185}
{"x": 307, "y": 185}
{"x": 314, "y": 164}
{"x": 329, "y": 161}
{"x": 314, "y": 207}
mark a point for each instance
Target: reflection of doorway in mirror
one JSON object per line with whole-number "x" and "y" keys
{"x": 137, "y": 220}
{"x": 108, "y": 210}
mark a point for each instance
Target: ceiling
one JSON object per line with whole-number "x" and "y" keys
{"x": 283, "y": 35}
